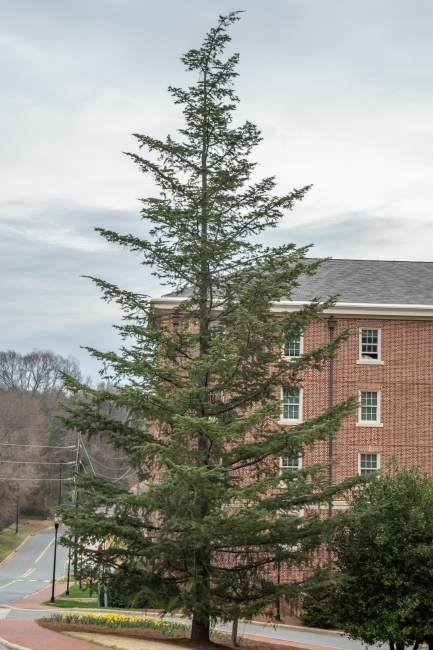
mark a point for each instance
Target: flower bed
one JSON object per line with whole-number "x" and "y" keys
{"x": 121, "y": 620}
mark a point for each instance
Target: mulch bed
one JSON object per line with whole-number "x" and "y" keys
{"x": 155, "y": 635}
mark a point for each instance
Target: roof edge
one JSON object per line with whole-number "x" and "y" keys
{"x": 167, "y": 303}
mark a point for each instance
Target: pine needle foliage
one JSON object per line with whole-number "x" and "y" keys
{"x": 215, "y": 515}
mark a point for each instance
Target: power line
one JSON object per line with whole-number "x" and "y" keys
{"x": 112, "y": 457}
{"x": 116, "y": 469}
{"x": 124, "y": 475}
{"x": 35, "y": 462}
{"x": 13, "y": 444}
{"x": 5, "y": 478}
{"x": 103, "y": 475}
{"x": 84, "y": 447}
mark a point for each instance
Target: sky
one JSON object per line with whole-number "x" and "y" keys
{"x": 341, "y": 90}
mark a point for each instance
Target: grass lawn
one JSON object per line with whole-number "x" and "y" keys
{"x": 9, "y": 540}
{"x": 74, "y": 598}
{"x": 76, "y": 592}
{"x": 68, "y": 603}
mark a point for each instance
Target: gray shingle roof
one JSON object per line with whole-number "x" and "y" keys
{"x": 370, "y": 281}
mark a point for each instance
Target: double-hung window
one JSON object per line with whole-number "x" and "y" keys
{"x": 369, "y": 408}
{"x": 292, "y": 347}
{"x": 370, "y": 346}
{"x": 292, "y": 405}
{"x": 291, "y": 464}
{"x": 368, "y": 463}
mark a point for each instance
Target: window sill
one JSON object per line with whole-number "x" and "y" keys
{"x": 336, "y": 505}
{"x": 289, "y": 422}
{"x": 367, "y": 362}
{"x": 369, "y": 424}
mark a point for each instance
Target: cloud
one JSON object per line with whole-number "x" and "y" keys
{"x": 343, "y": 93}
{"x": 43, "y": 295}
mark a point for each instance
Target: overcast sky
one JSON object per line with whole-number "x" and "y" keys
{"x": 341, "y": 90}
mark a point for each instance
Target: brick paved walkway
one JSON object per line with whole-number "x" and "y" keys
{"x": 30, "y": 635}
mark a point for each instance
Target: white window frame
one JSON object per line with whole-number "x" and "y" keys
{"x": 291, "y": 421}
{"x": 375, "y": 453}
{"x": 293, "y": 469}
{"x": 370, "y": 423}
{"x": 377, "y": 362}
{"x": 301, "y": 349}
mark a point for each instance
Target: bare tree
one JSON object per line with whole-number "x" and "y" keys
{"x": 22, "y": 427}
{"x": 35, "y": 444}
{"x": 37, "y": 372}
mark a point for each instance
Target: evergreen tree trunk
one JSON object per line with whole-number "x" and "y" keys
{"x": 234, "y": 636}
{"x": 200, "y": 629}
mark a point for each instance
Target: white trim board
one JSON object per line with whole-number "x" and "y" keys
{"x": 348, "y": 309}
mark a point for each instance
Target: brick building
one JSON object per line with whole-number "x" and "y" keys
{"x": 387, "y": 361}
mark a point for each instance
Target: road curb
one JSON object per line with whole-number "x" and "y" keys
{"x": 11, "y": 646}
{"x": 301, "y": 628}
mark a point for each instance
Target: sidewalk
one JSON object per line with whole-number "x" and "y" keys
{"x": 30, "y": 635}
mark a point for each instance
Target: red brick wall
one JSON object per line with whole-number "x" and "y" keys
{"x": 405, "y": 382}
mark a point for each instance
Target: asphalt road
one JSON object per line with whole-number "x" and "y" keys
{"x": 31, "y": 568}
{"x": 324, "y": 639}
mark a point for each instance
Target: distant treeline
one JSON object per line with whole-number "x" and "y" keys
{"x": 36, "y": 451}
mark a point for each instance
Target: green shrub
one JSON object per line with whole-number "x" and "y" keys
{"x": 316, "y": 606}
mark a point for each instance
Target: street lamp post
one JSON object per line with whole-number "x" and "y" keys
{"x": 56, "y": 526}
{"x": 69, "y": 570}
{"x": 81, "y": 569}
{"x": 278, "y": 614}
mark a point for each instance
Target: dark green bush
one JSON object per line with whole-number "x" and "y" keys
{"x": 316, "y": 605}
{"x": 137, "y": 588}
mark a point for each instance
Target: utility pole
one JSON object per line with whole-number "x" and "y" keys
{"x": 60, "y": 484}
{"x": 17, "y": 513}
{"x": 78, "y": 469}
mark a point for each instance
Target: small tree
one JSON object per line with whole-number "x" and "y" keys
{"x": 384, "y": 590}
{"x": 203, "y": 391}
